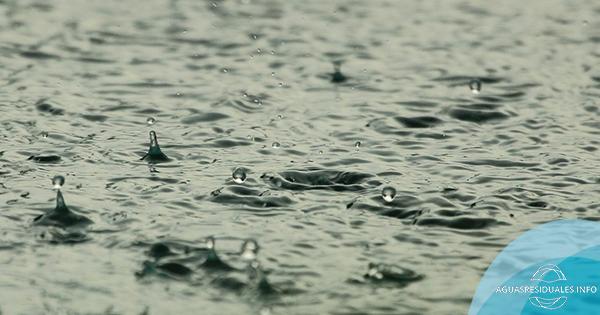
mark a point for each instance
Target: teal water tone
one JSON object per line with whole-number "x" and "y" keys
{"x": 344, "y": 157}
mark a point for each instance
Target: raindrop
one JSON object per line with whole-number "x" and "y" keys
{"x": 357, "y": 145}
{"x": 249, "y": 250}
{"x": 225, "y": 70}
{"x": 272, "y": 74}
{"x": 375, "y": 271}
{"x": 58, "y": 181}
{"x": 475, "y": 86}
{"x": 388, "y": 193}
{"x": 239, "y": 175}
{"x": 276, "y": 145}
{"x": 150, "y": 121}
{"x": 210, "y": 242}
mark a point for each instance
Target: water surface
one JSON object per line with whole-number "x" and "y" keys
{"x": 252, "y": 84}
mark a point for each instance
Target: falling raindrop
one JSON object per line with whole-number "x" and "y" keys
{"x": 239, "y": 175}
{"x": 150, "y": 121}
{"x": 58, "y": 181}
{"x": 475, "y": 86}
{"x": 388, "y": 193}
{"x": 276, "y": 145}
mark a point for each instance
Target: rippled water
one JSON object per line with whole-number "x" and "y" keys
{"x": 252, "y": 85}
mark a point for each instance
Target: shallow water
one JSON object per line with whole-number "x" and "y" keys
{"x": 248, "y": 84}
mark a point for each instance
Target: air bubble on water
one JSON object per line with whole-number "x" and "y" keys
{"x": 150, "y": 121}
{"x": 239, "y": 175}
{"x": 475, "y": 86}
{"x": 388, "y": 193}
{"x": 279, "y": 116}
{"x": 357, "y": 145}
{"x": 225, "y": 70}
{"x": 44, "y": 134}
{"x": 280, "y": 84}
{"x": 258, "y": 51}
{"x": 249, "y": 250}
{"x": 58, "y": 181}
{"x": 272, "y": 74}
{"x": 276, "y": 145}
{"x": 320, "y": 151}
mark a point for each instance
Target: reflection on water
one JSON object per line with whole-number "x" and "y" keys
{"x": 380, "y": 152}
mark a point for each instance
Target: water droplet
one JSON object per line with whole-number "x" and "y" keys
{"x": 279, "y": 116}
{"x": 272, "y": 74}
{"x": 357, "y": 145}
{"x": 375, "y": 271}
{"x": 44, "y": 134}
{"x": 475, "y": 86}
{"x": 239, "y": 175}
{"x": 320, "y": 151}
{"x": 388, "y": 193}
{"x": 280, "y": 84}
{"x": 58, "y": 181}
{"x": 150, "y": 121}
{"x": 276, "y": 145}
{"x": 153, "y": 139}
{"x": 249, "y": 249}
{"x": 225, "y": 70}
{"x": 210, "y": 242}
